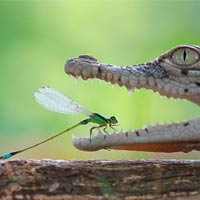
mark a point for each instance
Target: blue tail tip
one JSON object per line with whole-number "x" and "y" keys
{"x": 5, "y": 156}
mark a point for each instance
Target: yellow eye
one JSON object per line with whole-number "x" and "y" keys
{"x": 185, "y": 56}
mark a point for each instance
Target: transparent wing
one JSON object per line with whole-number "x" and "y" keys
{"x": 56, "y": 101}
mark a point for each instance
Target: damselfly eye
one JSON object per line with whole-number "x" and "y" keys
{"x": 185, "y": 56}
{"x": 113, "y": 120}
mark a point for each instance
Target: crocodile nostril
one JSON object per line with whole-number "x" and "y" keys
{"x": 198, "y": 84}
{"x": 184, "y": 72}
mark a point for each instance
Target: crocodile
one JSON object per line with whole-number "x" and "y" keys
{"x": 176, "y": 73}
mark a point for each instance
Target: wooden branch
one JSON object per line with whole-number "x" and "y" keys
{"x": 100, "y": 179}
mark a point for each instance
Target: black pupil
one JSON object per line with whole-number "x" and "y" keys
{"x": 184, "y": 55}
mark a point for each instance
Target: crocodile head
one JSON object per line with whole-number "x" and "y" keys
{"x": 175, "y": 73}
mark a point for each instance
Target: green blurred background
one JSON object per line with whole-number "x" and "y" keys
{"x": 36, "y": 38}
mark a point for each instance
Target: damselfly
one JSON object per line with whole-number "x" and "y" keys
{"x": 56, "y": 101}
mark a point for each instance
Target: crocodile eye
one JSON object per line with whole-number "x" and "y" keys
{"x": 185, "y": 56}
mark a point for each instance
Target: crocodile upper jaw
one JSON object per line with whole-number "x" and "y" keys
{"x": 154, "y": 75}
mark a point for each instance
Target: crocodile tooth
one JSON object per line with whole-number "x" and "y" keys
{"x": 113, "y": 85}
{"x": 75, "y": 79}
{"x": 99, "y": 134}
{"x": 84, "y": 77}
{"x": 129, "y": 92}
{"x": 128, "y": 87}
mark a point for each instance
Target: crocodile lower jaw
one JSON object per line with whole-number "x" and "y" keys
{"x": 183, "y": 136}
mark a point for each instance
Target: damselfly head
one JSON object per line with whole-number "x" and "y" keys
{"x": 113, "y": 120}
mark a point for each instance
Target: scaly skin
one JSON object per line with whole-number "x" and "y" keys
{"x": 175, "y": 73}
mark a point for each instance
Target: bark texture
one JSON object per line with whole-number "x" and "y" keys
{"x": 100, "y": 179}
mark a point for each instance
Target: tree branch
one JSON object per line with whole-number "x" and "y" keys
{"x": 100, "y": 179}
